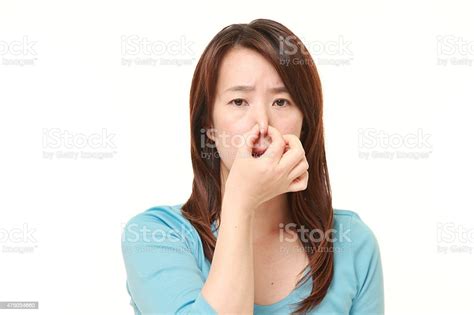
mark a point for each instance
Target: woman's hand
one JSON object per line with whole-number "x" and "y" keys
{"x": 282, "y": 168}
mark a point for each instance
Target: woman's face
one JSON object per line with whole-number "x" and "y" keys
{"x": 249, "y": 91}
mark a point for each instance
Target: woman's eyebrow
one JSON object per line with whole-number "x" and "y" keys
{"x": 279, "y": 89}
{"x": 246, "y": 88}
{"x": 239, "y": 88}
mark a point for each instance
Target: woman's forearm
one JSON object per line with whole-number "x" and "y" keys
{"x": 229, "y": 288}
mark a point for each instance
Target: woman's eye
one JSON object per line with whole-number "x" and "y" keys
{"x": 281, "y": 102}
{"x": 237, "y": 102}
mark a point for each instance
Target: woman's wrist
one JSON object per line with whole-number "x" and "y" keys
{"x": 237, "y": 207}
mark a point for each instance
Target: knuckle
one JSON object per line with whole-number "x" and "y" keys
{"x": 301, "y": 154}
{"x": 290, "y": 138}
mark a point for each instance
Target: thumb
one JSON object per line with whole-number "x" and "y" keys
{"x": 249, "y": 140}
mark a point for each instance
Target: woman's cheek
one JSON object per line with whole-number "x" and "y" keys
{"x": 224, "y": 146}
{"x": 227, "y": 155}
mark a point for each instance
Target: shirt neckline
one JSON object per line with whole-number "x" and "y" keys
{"x": 286, "y": 299}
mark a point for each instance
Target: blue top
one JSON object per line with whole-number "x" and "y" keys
{"x": 166, "y": 267}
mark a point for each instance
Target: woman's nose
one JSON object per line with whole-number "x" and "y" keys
{"x": 263, "y": 141}
{"x": 263, "y": 128}
{"x": 260, "y": 116}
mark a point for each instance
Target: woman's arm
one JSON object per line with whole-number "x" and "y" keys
{"x": 230, "y": 285}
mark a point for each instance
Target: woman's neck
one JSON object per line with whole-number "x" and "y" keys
{"x": 269, "y": 217}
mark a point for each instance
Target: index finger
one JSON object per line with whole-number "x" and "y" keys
{"x": 277, "y": 146}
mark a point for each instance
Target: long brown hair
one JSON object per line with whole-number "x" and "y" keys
{"x": 311, "y": 208}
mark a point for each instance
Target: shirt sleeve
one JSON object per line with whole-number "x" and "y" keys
{"x": 162, "y": 272}
{"x": 369, "y": 299}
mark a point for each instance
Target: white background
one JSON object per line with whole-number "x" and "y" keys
{"x": 388, "y": 69}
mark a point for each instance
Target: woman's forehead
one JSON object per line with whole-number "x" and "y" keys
{"x": 244, "y": 69}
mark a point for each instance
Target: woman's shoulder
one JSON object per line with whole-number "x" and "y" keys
{"x": 165, "y": 213}
{"x": 165, "y": 220}
{"x": 350, "y": 223}
{"x": 164, "y": 264}
{"x": 344, "y": 216}
{"x": 353, "y": 236}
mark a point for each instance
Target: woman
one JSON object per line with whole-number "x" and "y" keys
{"x": 258, "y": 234}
